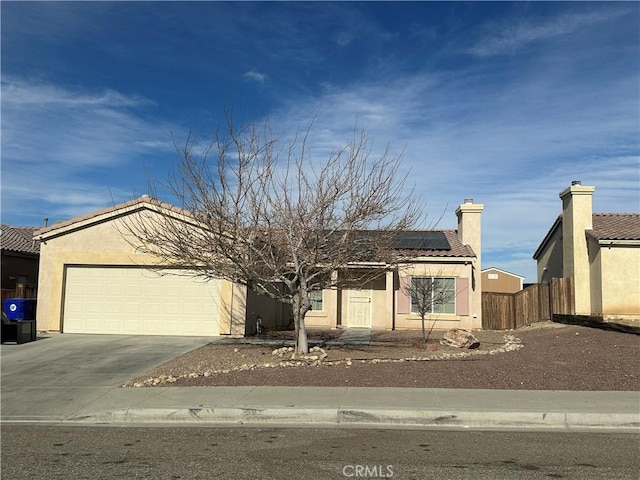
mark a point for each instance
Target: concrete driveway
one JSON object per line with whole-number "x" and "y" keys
{"x": 59, "y": 374}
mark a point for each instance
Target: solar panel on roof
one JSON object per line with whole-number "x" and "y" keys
{"x": 411, "y": 240}
{"x": 427, "y": 240}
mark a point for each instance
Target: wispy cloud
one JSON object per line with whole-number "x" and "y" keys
{"x": 47, "y": 123}
{"x": 517, "y": 34}
{"x": 57, "y": 197}
{"x": 509, "y": 132}
{"x": 56, "y": 142}
{"x": 255, "y": 76}
{"x": 344, "y": 38}
{"x": 21, "y": 93}
{"x": 512, "y": 148}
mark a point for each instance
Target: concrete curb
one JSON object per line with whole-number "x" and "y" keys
{"x": 365, "y": 418}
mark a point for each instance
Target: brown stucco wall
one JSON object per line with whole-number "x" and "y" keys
{"x": 504, "y": 283}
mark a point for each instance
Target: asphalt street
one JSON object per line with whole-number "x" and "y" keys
{"x": 62, "y": 452}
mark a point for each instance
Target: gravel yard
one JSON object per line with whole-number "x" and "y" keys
{"x": 545, "y": 356}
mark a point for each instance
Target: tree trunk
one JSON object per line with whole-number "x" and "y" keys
{"x": 299, "y": 312}
{"x": 424, "y": 334}
{"x": 302, "y": 346}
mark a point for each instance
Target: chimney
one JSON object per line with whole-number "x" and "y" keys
{"x": 470, "y": 233}
{"x": 469, "y": 225}
{"x": 577, "y": 217}
{"x": 45, "y": 222}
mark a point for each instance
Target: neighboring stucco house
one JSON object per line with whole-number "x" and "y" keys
{"x": 495, "y": 280}
{"x": 20, "y": 256}
{"x": 600, "y": 251}
{"x": 93, "y": 279}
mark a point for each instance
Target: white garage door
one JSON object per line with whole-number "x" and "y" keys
{"x": 136, "y": 301}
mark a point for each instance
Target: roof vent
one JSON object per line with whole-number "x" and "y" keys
{"x": 468, "y": 200}
{"x": 576, "y": 182}
{"x": 45, "y": 222}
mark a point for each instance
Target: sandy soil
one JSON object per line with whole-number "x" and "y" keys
{"x": 546, "y": 356}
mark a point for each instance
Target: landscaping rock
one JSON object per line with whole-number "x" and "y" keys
{"x": 432, "y": 347}
{"x": 460, "y": 338}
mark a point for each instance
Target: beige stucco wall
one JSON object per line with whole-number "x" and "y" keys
{"x": 576, "y": 219}
{"x": 595, "y": 274}
{"x": 549, "y": 263}
{"x": 470, "y": 232}
{"x": 620, "y": 281}
{"x": 328, "y": 316}
{"x": 104, "y": 244}
{"x": 470, "y": 226}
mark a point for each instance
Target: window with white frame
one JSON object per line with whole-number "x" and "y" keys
{"x": 433, "y": 295}
{"x": 316, "y": 300}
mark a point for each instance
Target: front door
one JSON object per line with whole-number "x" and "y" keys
{"x": 360, "y": 308}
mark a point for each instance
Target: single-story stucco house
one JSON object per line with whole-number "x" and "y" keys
{"x": 600, "y": 251}
{"x": 95, "y": 279}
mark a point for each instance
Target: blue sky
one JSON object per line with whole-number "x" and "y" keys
{"x": 506, "y": 103}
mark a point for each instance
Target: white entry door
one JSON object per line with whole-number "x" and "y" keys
{"x": 360, "y": 308}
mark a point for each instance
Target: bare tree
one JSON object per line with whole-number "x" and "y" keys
{"x": 280, "y": 221}
{"x": 429, "y": 295}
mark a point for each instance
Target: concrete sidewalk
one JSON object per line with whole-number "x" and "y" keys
{"x": 355, "y": 407}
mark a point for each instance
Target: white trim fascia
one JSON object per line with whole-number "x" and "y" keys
{"x": 502, "y": 271}
{"x": 112, "y": 216}
{"x": 619, "y": 243}
{"x": 438, "y": 260}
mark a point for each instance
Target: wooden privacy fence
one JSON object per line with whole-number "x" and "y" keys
{"x": 562, "y": 297}
{"x": 21, "y": 291}
{"x": 536, "y": 303}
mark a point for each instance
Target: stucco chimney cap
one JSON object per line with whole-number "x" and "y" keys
{"x": 577, "y": 189}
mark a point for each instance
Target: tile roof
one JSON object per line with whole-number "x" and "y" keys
{"x": 144, "y": 199}
{"x": 615, "y": 226}
{"x": 18, "y": 239}
{"x": 456, "y": 247}
{"x": 606, "y": 226}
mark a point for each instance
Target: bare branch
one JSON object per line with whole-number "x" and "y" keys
{"x": 262, "y": 220}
